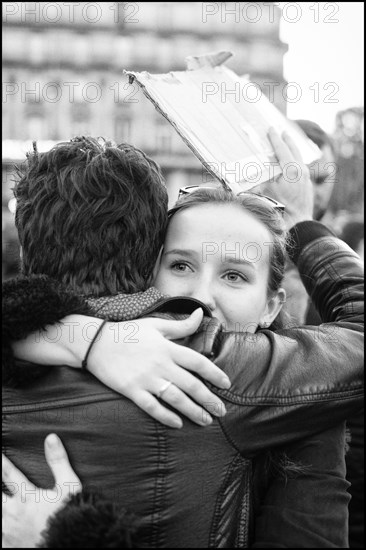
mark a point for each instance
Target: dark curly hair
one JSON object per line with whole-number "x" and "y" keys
{"x": 92, "y": 215}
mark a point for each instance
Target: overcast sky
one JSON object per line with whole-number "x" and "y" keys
{"x": 325, "y": 58}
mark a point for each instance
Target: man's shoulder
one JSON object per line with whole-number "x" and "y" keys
{"x": 54, "y": 387}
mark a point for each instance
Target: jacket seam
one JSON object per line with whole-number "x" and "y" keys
{"x": 243, "y": 531}
{"x": 228, "y": 437}
{"x": 274, "y": 401}
{"x": 155, "y": 539}
{"x": 66, "y": 402}
{"x": 330, "y": 257}
{"x": 217, "y": 514}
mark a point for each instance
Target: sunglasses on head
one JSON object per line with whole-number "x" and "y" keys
{"x": 272, "y": 202}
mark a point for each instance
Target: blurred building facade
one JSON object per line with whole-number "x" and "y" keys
{"x": 63, "y": 63}
{"x": 63, "y": 67}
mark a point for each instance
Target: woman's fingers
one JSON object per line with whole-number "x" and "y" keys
{"x": 13, "y": 478}
{"x": 195, "y": 390}
{"x": 174, "y": 329}
{"x": 281, "y": 149}
{"x": 177, "y": 399}
{"x": 291, "y": 164}
{"x": 185, "y": 393}
{"x": 292, "y": 147}
{"x": 58, "y": 461}
{"x": 199, "y": 364}
{"x": 150, "y": 404}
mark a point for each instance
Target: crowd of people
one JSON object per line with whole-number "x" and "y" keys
{"x": 120, "y": 327}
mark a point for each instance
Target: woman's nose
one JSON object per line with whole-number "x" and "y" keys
{"x": 203, "y": 290}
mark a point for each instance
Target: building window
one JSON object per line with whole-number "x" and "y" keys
{"x": 123, "y": 129}
{"x": 35, "y": 123}
{"x": 36, "y": 127}
{"x": 165, "y": 16}
{"x": 163, "y": 136}
{"x": 80, "y": 112}
{"x": 36, "y": 48}
{"x": 80, "y": 119}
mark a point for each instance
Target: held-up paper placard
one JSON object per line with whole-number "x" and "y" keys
{"x": 207, "y": 107}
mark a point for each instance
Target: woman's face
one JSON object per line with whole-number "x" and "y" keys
{"x": 219, "y": 254}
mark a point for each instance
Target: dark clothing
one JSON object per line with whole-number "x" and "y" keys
{"x": 301, "y": 307}
{"x": 302, "y": 504}
{"x": 354, "y": 462}
{"x": 194, "y": 487}
{"x": 355, "y": 475}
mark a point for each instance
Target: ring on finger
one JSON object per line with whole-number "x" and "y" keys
{"x": 163, "y": 389}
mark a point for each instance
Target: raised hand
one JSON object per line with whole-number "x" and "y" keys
{"x": 293, "y": 188}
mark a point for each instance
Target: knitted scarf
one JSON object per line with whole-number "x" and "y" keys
{"x": 123, "y": 307}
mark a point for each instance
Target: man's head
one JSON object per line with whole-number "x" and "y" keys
{"x": 92, "y": 215}
{"x": 322, "y": 171}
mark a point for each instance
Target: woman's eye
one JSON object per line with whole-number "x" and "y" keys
{"x": 234, "y": 277}
{"x": 180, "y": 267}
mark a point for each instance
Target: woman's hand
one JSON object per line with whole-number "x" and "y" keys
{"x": 294, "y": 187}
{"x": 138, "y": 360}
{"x": 26, "y": 511}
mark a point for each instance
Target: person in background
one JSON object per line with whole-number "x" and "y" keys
{"x": 353, "y": 234}
{"x": 323, "y": 174}
{"x": 323, "y": 171}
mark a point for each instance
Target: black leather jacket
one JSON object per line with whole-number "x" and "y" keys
{"x": 192, "y": 487}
